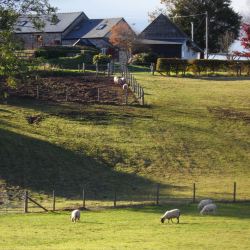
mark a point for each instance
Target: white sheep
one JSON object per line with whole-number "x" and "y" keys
{"x": 209, "y": 209}
{"x": 174, "y": 213}
{"x": 117, "y": 80}
{"x": 123, "y": 80}
{"x": 204, "y": 203}
{"x": 125, "y": 86}
{"x": 75, "y": 215}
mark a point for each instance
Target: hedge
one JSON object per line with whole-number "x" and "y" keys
{"x": 49, "y": 52}
{"x": 198, "y": 66}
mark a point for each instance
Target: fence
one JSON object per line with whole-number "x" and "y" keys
{"x": 133, "y": 84}
{"x": 155, "y": 194}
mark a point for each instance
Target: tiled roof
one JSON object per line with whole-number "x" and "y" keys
{"x": 93, "y": 28}
{"x": 25, "y": 25}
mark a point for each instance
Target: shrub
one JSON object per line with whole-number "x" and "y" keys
{"x": 172, "y": 64}
{"x": 144, "y": 58}
{"x": 102, "y": 59}
{"x": 49, "y": 52}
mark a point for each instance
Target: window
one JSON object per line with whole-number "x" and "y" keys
{"x": 22, "y": 23}
{"x": 101, "y": 26}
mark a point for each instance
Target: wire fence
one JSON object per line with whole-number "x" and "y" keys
{"x": 23, "y": 201}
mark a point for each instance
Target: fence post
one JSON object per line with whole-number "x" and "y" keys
{"x": 37, "y": 91}
{"x": 234, "y": 195}
{"x": 83, "y": 67}
{"x": 98, "y": 95}
{"x": 97, "y": 69}
{"x": 83, "y": 198}
{"x": 108, "y": 69}
{"x": 152, "y": 69}
{"x": 194, "y": 192}
{"x": 54, "y": 200}
{"x": 66, "y": 95}
{"x": 157, "y": 193}
{"x": 115, "y": 199}
{"x": 26, "y": 202}
{"x": 142, "y": 98}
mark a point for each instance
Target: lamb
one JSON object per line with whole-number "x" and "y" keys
{"x": 174, "y": 213}
{"x": 75, "y": 215}
{"x": 204, "y": 203}
{"x": 208, "y": 209}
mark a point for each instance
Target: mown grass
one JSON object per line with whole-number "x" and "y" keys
{"x": 191, "y": 130}
{"x": 132, "y": 228}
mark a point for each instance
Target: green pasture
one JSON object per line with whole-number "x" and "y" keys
{"x": 131, "y": 228}
{"x": 190, "y": 130}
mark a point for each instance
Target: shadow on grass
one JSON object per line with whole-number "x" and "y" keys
{"x": 84, "y": 113}
{"x": 42, "y": 167}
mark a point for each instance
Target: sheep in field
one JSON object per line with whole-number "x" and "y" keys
{"x": 204, "y": 203}
{"x": 209, "y": 209}
{"x": 117, "y": 80}
{"x": 169, "y": 215}
{"x": 75, "y": 215}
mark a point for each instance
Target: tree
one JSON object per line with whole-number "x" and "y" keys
{"x": 123, "y": 37}
{"x": 225, "y": 42}
{"x": 10, "y": 11}
{"x": 245, "y": 40}
{"x": 222, "y": 19}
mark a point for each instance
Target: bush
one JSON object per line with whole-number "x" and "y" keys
{"x": 171, "y": 64}
{"x": 144, "y": 58}
{"x": 199, "y": 66}
{"x": 102, "y": 59}
{"x": 49, "y": 52}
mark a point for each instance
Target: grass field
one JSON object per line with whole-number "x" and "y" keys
{"x": 133, "y": 228}
{"x": 191, "y": 130}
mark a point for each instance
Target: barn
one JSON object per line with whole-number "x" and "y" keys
{"x": 164, "y": 38}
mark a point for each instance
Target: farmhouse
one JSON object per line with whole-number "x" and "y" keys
{"x": 71, "y": 29}
{"x": 164, "y": 38}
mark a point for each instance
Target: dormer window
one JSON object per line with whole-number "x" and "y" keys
{"x": 101, "y": 26}
{"x": 22, "y": 23}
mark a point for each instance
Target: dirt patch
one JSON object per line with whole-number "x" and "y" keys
{"x": 75, "y": 89}
{"x": 232, "y": 114}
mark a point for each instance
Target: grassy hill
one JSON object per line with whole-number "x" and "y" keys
{"x": 191, "y": 130}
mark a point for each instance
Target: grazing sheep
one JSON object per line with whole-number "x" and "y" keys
{"x": 175, "y": 213}
{"x": 204, "y": 203}
{"x": 75, "y": 215}
{"x": 117, "y": 80}
{"x": 123, "y": 80}
{"x": 125, "y": 86}
{"x": 209, "y": 209}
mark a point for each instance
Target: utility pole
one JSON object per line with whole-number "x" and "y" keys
{"x": 192, "y": 31}
{"x": 206, "y": 35}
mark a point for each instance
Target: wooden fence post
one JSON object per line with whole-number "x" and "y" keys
{"x": 157, "y": 194}
{"x": 142, "y": 98}
{"x": 115, "y": 199}
{"x": 234, "y": 194}
{"x": 83, "y": 198}
{"x": 97, "y": 68}
{"x": 26, "y": 202}
{"x": 54, "y": 200}
{"x": 83, "y": 67}
{"x": 194, "y": 192}
{"x": 66, "y": 95}
{"x": 98, "y": 94}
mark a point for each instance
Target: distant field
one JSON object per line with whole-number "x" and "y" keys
{"x": 134, "y": 228}
{"x": 191, "y": 130}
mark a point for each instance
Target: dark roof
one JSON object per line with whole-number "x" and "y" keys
{"x": 162, "y": 28}
{"x": 24, "y": 24}
{"x": 93, "y": 28}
